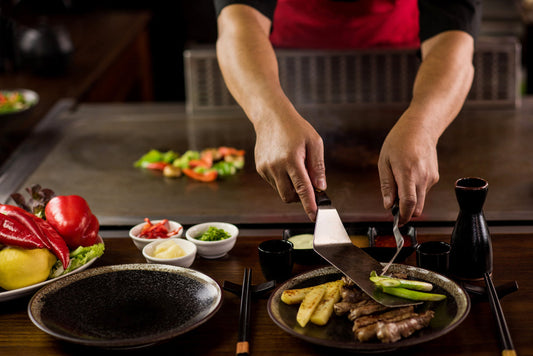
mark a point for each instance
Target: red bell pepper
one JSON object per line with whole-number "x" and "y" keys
{"x": 207, "y": 176}
{"x": 72, "y": 218}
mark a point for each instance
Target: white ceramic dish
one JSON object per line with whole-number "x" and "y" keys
{"x": 185, "y": 261}
{"x": 213, "y": 249}
{"x": 140, "y": 242}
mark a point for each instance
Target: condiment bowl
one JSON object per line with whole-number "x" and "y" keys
{"x": 184, "y": 261}
{"x": 377, "y": 241}
{"x": 212, "y": 249}
{"x": 141, "y": 242}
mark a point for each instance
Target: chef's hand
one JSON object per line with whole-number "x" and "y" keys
{"x": 408, "y": 168}
{"x": 289, "y": 155}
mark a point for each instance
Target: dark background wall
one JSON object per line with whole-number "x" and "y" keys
{"x": 179, "y": 24}
{"x": 175, "y": 25}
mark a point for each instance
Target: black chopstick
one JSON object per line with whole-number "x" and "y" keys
{"x": 503, "y": 331}
{"x": 243, "y": 347}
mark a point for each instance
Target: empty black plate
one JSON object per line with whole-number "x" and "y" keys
{"x": 125, "y": 306}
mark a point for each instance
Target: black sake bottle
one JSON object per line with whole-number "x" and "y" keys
{"x": 471, "y": 247}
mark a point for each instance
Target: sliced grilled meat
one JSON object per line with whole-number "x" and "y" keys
{"x": 369, "y": 307}
{"x": 343, "y": 307}
{"x": 386, "y": 316}
{"x": 352, "y": 295}
{"x": 370, "y": 332}
{"x": 391, "y": 332}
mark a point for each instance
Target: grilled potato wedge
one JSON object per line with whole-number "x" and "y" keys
{"x": 309, "y": 304}
{"x": 296, "y": 296}
{"x": 324, "y": 309}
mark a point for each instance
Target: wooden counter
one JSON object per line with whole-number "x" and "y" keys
{"x": 475, "y": 336}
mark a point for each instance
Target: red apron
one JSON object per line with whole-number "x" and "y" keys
{"x": 328, "y": 24}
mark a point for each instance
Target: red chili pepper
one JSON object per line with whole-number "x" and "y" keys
{"x": 72, "y": 218}
{"x": 26, "y": 219}
{"x": 14, "y": 233}
{"x": 58, "y": 245}
{"x": 41, "y": 230}
{"x": 207, "y": 176}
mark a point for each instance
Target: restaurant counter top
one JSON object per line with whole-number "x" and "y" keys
{"x": 89, "y": 150}
{"x": 475, "y": 336}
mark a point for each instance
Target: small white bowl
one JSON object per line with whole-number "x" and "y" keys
{"x": 213, "y": 249}
{"x": 140, "y": 242}
{"x": 183, "y": 261}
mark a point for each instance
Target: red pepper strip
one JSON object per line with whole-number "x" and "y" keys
{"x": 193, "y": 163}
{"x": 26, "y": 219}
{"x": 206, "y": 160}
{"x": 58, "y": 245}
{"x": 225, "y": 151}
{"x": 207, "y": 176}
{"x": 14, "y": 233}
{"x": 151, "y": 231}
{"x": 175, "y": 232}
{"x": 158, "y": 166}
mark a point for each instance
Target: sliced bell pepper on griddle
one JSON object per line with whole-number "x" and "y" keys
{"x": 202, "y": 175}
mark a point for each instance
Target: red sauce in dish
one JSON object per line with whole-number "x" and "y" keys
{"x": 389, "y": 241}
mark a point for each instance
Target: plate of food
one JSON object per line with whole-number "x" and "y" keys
{"x": 44, "y": 238}
{"x": 356, "y": 327}
{"x": 17, "y": 100}
{"x": 125, "y": 306}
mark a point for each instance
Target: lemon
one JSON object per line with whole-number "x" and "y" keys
{"x": 20, "y": 267}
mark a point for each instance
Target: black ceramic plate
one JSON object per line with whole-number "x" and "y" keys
{"x": 338, "y": 332}
{"x": 125, "y": 306}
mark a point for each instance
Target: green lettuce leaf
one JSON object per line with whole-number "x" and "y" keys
{"x": 78, "y": 258}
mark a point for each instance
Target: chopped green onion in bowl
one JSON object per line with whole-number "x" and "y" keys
{"x": 214, "y": 234}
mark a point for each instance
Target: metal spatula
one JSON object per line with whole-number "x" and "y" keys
{"x": 331, "y": 241}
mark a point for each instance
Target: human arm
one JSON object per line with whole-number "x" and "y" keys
{"x": 288, "y": 152}
{"x": 408, "y": 164}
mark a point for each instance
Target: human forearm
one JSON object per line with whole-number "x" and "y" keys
{"x": 408, "y": 164}
{"x": 442, "y": 83}
{"x": 248, "y": 62}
